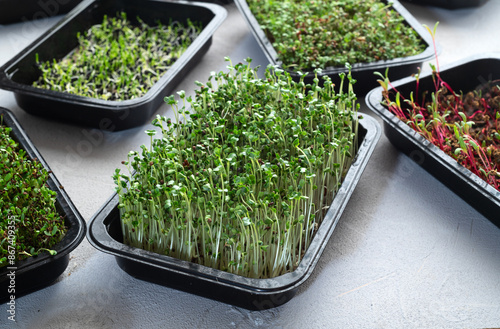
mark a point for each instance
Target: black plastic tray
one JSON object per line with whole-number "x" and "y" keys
{"x": 18, "y": 74}
{"x": 105, "y": 234}
{"x": 219, "y": 2}
{"x": 362, "y": 72}
{"x": 450, "y": 4}
{"x": 40, "y": 271}
{"x": 463, "y": 76}
{"x": 15, "y": 11}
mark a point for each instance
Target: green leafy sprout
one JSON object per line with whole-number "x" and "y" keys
{"x": 116, "y": 60}
{"x": 242, "y": 182}
{"x": 310, "y": 34}
{"x": 27, "y": 201}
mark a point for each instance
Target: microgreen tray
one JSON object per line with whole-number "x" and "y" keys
{"x": 36, "y": 272}
{"x": 16, "y": 11}
{"x": 105, "y": 234}
{"x": 463, "y": 76}
{"x": 450, "y": 4}
{"x": 362, "y": 72}
{"x": 18, "y": 74}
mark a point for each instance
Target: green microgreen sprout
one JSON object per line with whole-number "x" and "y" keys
{"x": 242, "y": 181}
{"x": 27, "y": 201}
{"x": 309, "y": 34}
{"x": 116, "y": 60}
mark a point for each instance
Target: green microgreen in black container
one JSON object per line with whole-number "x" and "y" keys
{"x": 242, "y": 182}
{"x": 323, "y": 33}
{"x": 116, "y": 60}
{"x": 30, "y": 222}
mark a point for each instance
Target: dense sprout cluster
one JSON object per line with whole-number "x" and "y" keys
{"x": 243, "y": 181}
{"x": 311, "y": 34}
{"x": 116, "y": 60}
{"x": 26, "y": 203}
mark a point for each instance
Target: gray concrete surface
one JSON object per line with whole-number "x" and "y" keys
{"x": 407, "y": 253}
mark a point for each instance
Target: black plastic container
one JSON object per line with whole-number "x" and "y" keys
{"x": 362, "y": 72}
{"x": 40, "y": 271}
{"x": 18, "y": 74}
{"x": 219, "y": 2}
{"x": 463, "y": 76}
{"x": 26, "y": 10}
{"x": 105, "y": 234}
{"x": 449, "y": 4}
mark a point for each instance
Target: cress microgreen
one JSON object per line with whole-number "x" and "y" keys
{"x": 241, "y": 182}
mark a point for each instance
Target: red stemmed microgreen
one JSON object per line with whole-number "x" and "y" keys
{"x": 465, "y": 126}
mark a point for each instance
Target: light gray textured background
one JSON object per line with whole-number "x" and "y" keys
{"x": 407, "y": 253}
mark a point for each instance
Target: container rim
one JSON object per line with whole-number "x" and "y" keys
{"x": 449, "y": 4}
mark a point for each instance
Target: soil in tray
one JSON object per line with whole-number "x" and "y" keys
{"x": 464, "y": 125}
